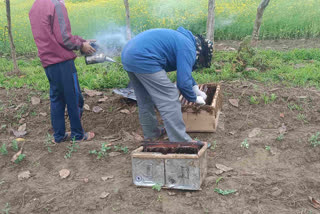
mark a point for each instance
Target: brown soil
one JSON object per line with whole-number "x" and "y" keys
{"x": 276, "y": 181}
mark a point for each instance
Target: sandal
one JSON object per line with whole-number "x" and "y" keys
{"x": 66, "y": 137}
{"x": 86, "y": 137}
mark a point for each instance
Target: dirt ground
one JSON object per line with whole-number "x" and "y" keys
{"x": 275, "y": 181}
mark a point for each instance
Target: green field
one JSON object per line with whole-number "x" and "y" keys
{"x": 234, "y": 18}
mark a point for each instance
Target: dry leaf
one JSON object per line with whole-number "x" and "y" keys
{"x": 234, "y": 102}
{"x": 35, "y": 100}
{"x": 282, "y": 129}
{"x": 219, "y": 172}
{"x": 43, "y": 114}
{"x": 125, "y": 111}
{"x": 315, "y": 203}
{"x": 171, "y": 193}
{"x": 22, "y": 127}
{"x": 24, "y": 175}
{"x": 113, "y": 154}
{"x": 20, "y": 105}
{"x": 103, "y": 99}
{"x": 15, "y": 156}
{"x": 254, "y": 132}
{"x": 86, "y": 107}
{"x": 107, "y": 177}
{"x": 97, "y": 109}
{"x": 223, "y": 167}
{"x": 92, "y": 93}
{"x": 104, "y": 195}
{"x": 64, "y": 173}
{"x": 282, "y": 115}
{"x": 86, "y": 180}
{"x": 20, "y": 139}
{"x": 21, "y": 120}
{"x": 19, "y": 134}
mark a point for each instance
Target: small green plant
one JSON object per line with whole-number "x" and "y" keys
{"x": 295, "y": 107}
{"x": 71, "y": 149}
{"x": 314, "y": 140}
{"x": 266, "y": 99}
{"x": 20, "y": 158}
{"x": 33, "y": 113}
{"x": 214, "y": 145}
{"x": 103, "y": 151}
{"x": 124, "y": 149}
{"x": 245, "y": 144}
{"x": 48, "y": 143}
{"x": 273, "y": 97}
{"x": 302, "y": 117}
{"x": 268, "y": 148}
{"x": 225, "y": 192}
{"x": 3, "y": 149}
{"x": 14, "y": 145}
{"x": 6, "y": 209}
{"x": 254, "y": 100}
{"x": 280, "y": 137}
{"x": 157, "y": 187}
{"x": 218, "y": 180}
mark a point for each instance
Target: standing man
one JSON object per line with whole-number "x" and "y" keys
{"x": 52, "y": 34}
{"x": 147, "y": 58}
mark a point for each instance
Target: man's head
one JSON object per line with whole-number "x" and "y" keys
{"x": 204, "y": 49}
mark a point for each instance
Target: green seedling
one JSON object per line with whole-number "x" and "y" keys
{"x": 314, "y": 140}
{"x": 6, "y": 209}
{"x": 245, "y": 144}
{"x": 33, "y": 113}
{"x": 273, "y": 97}
{"x": 254, "y": 100}
{"x": 268, "y": 148}
{"x": 72, "y": 148}
{"x": 3, "y": 149}
{"x": 157, "y": 187}
{"x": 124, "y": 149}
{"x": 295, "y": 107}
{"x": 225, "y": 192}
{"x": 20, "y": 158}
{"x": 48, "y": 143}
{"x": 280, "y": 137}
{"x": 214, "y": 145}
{"x": 14, "y": 145}
{"x": 103, "y": 151}
{"x": 266, "y": 99}
{"x": 218, "y": 180}
{"x": 302, "y": 117}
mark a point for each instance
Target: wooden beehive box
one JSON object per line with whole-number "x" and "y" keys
{"x": 174, "y": 171}
{"x": 203, "y": 118}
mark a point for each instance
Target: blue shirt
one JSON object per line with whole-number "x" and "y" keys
{"x": 163, "y": 49}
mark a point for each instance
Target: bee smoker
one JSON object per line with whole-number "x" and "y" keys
{"x": 98, "y": 56}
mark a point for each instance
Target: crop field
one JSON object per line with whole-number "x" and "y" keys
{"x": 234, "y": 18}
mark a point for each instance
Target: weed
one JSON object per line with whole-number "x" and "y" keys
{"x": 14, "y": 145}
{"x": 280, "y": 137}
{"x": 21, "y": 111}
{"x": 302, "y": 117}
{"x": 245, "y": 144}
{"x": 225, "y": 192}
{"x": 72, "y": 148}
{"x": 314, "y": 140}
{"x": 2, "y": 182}
{"x": 102, "y": 152}
{"x": 268, "y": 148}
{"x": 20, "y": 158}
{"x": 48, "y": 143}
{"x": 273, "y": 97}
{"x": 124, "y": 149}
{"x": 218, "y": 180}
{"x": 295, "y": 107}
{"x": 33, "y": 113}
{"x": 266, "y": 99}
{"x": 254, "y": 100}
{"x": 157, "y": 187}
{"x": 7, "y": 208}
{"x": 3, "y": 149}
{"x": 214, "y": 145}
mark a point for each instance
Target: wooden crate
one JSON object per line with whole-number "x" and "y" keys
{"x": 203, "y": 118}
{"x": 175, "y": 171}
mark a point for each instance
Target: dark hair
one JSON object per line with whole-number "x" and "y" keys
{"x": 204, "y": 50}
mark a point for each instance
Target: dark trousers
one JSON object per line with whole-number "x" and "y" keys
{"x": 65, "y": 90}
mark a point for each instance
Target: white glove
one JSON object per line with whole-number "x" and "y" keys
{"x": 199, "y": 92}
{"x": 200, "y": 101}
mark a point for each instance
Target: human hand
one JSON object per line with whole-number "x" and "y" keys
{"x": 87, "y": 48}
{"x": 200, "y": 101}
{"x": 199, "y": 92}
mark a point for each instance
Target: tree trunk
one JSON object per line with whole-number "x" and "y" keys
{"x": 13, "y": 48}
{"x": 256, "y": 29}
{"x": 128, "y": 28}
{"x": 210, "y": 20}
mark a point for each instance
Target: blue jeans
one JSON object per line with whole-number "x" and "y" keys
{"x": 65, "y": 91}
